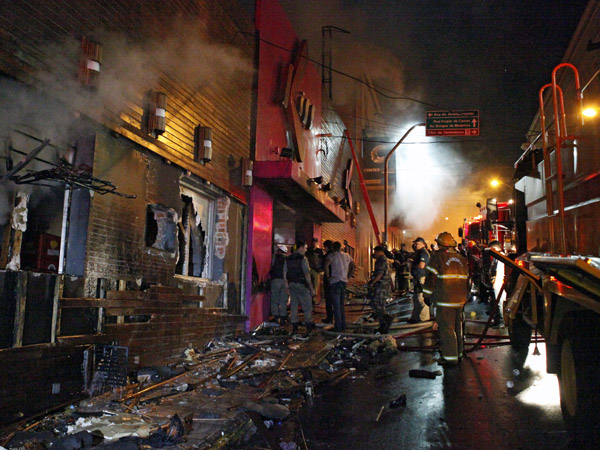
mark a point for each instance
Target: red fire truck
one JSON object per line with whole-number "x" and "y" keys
{"x": 557, "y": 292}
{"x": 494, "y": 223}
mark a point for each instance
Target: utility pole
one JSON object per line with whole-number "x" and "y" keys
{"x": 327, "y": 58}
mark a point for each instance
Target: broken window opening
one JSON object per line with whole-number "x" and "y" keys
{"x": 161, "y": 223}
{"x": 194, "y": 238}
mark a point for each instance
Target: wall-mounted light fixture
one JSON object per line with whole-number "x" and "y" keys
{"x": 326, "y": 187}
{"x": 247, "y": 172}
{"x": 156, "y": 109}
{"x": 90, "y": 59}
{"x": 202, "y": 144}
{"x": 316, "y": 180}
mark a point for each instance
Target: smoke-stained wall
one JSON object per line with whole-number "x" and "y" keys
{"x": 192, "y": 51}
{"x": 117, "y": 231}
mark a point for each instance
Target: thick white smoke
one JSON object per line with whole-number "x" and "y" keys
{"x": 428, "y": 178}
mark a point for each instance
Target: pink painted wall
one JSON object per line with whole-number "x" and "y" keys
{"x": 259, "y": 252}
{"x": 274, "y": 26}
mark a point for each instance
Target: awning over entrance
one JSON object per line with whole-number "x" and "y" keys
{"x": 286, "y": 181}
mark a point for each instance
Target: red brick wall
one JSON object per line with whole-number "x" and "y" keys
{"x": 172, "y": 328}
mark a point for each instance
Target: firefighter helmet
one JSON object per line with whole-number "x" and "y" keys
{"x": 445, "y": 239}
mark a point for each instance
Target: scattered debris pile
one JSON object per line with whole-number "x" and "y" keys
{"x": 215, "y": 397}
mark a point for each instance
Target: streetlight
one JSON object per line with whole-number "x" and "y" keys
{"x": 495, "y": 183}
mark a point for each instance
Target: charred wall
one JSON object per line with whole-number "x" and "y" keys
{"x": 117, "y": 228}
{"x": 191, "y": 50}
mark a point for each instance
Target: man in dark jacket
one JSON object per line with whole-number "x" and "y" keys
{"x": 297, "y": 274}
{"x": 315, "y": 256}
{"x": 327, "y": 246}
{"x": 279, "y": 290}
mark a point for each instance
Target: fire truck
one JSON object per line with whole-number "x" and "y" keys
{"x": 494, "y": 223}
{"x": 556, "y": 285}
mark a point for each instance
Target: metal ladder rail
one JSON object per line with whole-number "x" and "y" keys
{"x": 546, "y": 155}
{"x": 561, "y": 136}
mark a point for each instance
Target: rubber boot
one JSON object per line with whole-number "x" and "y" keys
{"x": 294, "y": 328}
{"x": 309, "y": 328}
{"x": 384, "y": 324}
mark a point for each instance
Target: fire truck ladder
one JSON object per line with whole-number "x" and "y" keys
{"x": 560, "y": 131}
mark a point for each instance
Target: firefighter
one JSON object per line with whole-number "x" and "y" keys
{"x": 446, "y": 286}
{"x": 379, "y": 289}
{"x": 420, "y": 259}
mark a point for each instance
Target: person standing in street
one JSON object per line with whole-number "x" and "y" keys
{"x": 446, "y": 285}
{"x": 297, "y": 274}
{"x": 402, "y": 259}
{"x": 341, "y": 267}
{"x": 279, "y": 290}
{"x": 420, "y": 312}
{"x": 315, "y": 255}
{"x": 379, "y": 288}
{"x": 326, "y": 277}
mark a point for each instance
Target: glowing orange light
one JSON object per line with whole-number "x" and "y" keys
{"x": 552, "y": 278}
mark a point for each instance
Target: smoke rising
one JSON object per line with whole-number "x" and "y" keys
{"x": 427, "y": 176}
{"x": 52, "y": 105}
{"x": 131, "y": 67}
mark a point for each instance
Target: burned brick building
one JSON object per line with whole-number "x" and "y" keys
{"x": 126, "y": 130}
{"x": 154, "y": 156}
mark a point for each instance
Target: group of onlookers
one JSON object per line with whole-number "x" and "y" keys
{"x": 299, "y": 275}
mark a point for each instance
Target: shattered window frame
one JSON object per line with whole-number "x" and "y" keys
{"x": 161, "y": 228}
{"x": 197, "y": 197}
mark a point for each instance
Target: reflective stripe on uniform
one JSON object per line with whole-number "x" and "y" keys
{"x": 453, "y": 276}
{"x": 431, "y": 269}
{"x": 450, "y": 358}
{"x": 427, "y": 291}
{"x": 450, "y": 305}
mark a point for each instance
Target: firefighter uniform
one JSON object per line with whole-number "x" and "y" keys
{"x": 380, "y": 291}
{"x": 446, "y": 286}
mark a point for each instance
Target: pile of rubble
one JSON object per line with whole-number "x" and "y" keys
{"x": 221, "y": 396}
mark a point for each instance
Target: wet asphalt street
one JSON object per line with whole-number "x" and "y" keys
{"x": 467, "y": 407}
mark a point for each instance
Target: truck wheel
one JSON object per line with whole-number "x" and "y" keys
{"x": 579, "y": 383}
{"x": 520, "y": 334}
